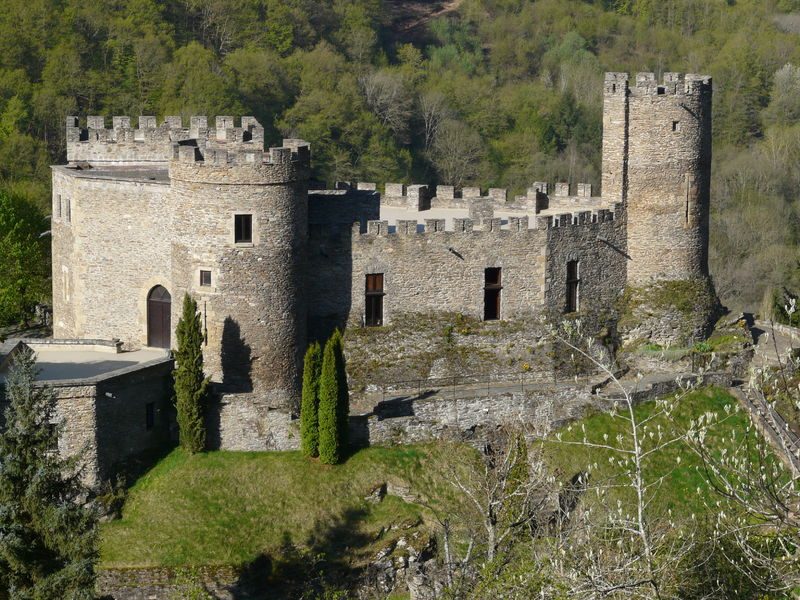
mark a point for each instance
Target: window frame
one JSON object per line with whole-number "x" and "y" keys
{"x": 202, "y": 281}
{"x": 493, "y": 288}
{"x": 149, "y": 416}
{"x": 373, "y": 299}
{"x": 236, "y": 229}
{"x": 573, "y": 287}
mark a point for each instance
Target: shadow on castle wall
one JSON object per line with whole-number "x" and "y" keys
{"x": 331, "y": 289}
{"x": 236, "y": 359}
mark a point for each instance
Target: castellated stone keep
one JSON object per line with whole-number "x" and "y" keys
{"x": 143, "y": 215}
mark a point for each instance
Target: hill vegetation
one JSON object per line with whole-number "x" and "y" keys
{"x": 498, "y": 92}
{"x": 232, "y": 508}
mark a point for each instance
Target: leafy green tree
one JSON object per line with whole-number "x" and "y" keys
{"x": 191, "y": 384}
{"x": 48, "y": 537}
{"x": 24, "y": 268}
{"x": 334, "y": 403}
{"x": 309, "y": 407}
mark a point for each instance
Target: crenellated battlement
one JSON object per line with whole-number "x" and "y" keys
{"x": 647, "y": 84}
{"x": 494, "y": 225}
{"x": 193, "y": 162}
{"x": 151, "y": 142}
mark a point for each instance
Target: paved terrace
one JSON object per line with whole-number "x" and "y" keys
{"x": 70, "y": 360}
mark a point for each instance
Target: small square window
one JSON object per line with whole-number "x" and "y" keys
{"x": 676, "y": 126}
{"x": 205, "y": 278}
{"x": 243, "y": 229}
{"x": 149, "y": 415}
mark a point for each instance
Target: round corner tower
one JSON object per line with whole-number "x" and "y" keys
{"x": 240, "y": 231}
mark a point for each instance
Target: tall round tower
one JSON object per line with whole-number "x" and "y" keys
{"x": 668, "y": 177}
{"x": 657, "y": 161}
{"x": 240, "y": 231}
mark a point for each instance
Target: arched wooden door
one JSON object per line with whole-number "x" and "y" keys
{"x": 159, "y": 305}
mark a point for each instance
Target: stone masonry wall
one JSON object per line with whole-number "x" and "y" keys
{"x": 121, "y": 409}
{"x": 444, "y": 270}
{"x": 254, "y": 311}
{"x": 107, "y": 257}
{"x": 600, "y": 249}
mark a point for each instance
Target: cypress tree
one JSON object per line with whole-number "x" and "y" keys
{"x": 329, "y": 438}
{"x": 309, "y": 408}
{"x": 191, "y": 385}
{"x": 343, "y": 396}
{"x": 48, "y": 538}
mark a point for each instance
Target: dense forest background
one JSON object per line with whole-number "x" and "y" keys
{"x": 489, "y": 92}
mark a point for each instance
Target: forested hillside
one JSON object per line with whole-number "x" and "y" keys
{"x": 500, "y": 93}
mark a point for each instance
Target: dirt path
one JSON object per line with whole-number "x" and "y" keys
{"x": 408, "y": 19}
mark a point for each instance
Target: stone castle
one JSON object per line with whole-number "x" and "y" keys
{"x": 143, "y": 215}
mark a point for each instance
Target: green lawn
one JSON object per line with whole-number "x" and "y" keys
{"x": 677, "y": 464}
{"x": 232, "y": 507}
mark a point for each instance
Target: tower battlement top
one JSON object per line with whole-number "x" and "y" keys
{"x": 647, "y": 84}
{"x": 152, "y": 142}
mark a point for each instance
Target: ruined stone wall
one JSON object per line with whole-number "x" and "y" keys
{"x": 669, "y": 165}
{"x": 112, "y": 250}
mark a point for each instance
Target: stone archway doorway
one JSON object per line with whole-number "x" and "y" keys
{"x": 159, "y": 326}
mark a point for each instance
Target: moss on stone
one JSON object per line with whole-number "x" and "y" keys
{"x": 673, "y": 312}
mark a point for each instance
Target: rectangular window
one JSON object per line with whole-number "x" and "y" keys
{"x": 67, "y": 211}
{"x": 676, "y": 126}
{"x": 149, "y": 415}
{"x": 205, "y": 278}
{"x": 374, "y": 300}
{"x": 243, "y": 229}
{"x": 573, "y": 285}
{"x": 492, "y": 286}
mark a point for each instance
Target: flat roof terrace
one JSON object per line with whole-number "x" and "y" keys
{"x": 154, "y": 173}
{"x": 81, "y": 360}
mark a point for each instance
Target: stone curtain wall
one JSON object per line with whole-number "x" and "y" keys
{"x": 600, "y": 249}
{"x": 443, "y": 271}
{"x": 114, "y": 249}
{"x": 329, "y": 263}
{"x": 152, "y": 143}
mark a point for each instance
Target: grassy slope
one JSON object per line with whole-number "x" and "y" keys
{"x": 683, "y": 490}
{"x": 226, "y": 507}
{"x": 229, "y": 507}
